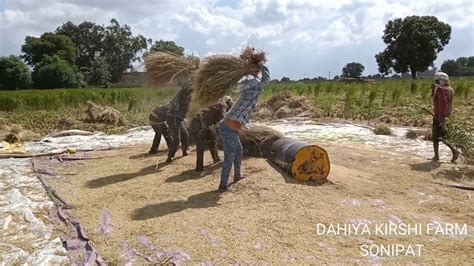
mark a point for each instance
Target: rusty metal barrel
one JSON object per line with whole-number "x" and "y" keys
{"x": 301, "y": 160}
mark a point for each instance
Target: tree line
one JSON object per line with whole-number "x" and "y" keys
{"x": 80, "y": 55}
{"x": 89, "y": 54}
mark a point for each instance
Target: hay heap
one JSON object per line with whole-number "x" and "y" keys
{"x": 15, "y": 134}
{"x": 284, "y": 105}
{"x": 11, "y": 134}
{"x": 382, "y": 129}
{"x": 163, "y": 68}
{"x": 220, "y": 73}
{"x": 258, "y": 140}
{"x": 104, "y": 115}
{"x": 12, "y": 138}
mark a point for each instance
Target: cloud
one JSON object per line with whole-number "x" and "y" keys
{"x": 302, "y": 37}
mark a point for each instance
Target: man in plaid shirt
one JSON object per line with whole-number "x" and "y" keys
{"x": 233, "y": 124}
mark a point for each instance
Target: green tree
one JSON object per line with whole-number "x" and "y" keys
{"x": 412, "y": 44}
{"x": 450, "y": 67}
{"x": 121, "y": 48}
{"x": 49, "y": 44}
{"x": 88, "y": 39}
{"x": 466, "y": 66}
{"x": 353, "y": 70}
{"x": 14, "y": 73}
{"x": 113, "y": 45}
{"x": 55, "y": 72}
{"x": 167, "y": 47}
{"x": 98, "y": 74}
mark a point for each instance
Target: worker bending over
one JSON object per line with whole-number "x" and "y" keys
{"x": 204, "y": 129}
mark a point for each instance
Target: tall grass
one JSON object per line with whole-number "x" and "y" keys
{"x": 33, "y": 100}
{"x": 369, "y": 101}
{"x": 335, "y": 99}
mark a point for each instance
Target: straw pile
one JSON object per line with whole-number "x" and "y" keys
{"x": 163, "y": 68}
{"x": 258, "y": 140}
{"x": 104, "y": 115}
{"x": 221, "y": 73}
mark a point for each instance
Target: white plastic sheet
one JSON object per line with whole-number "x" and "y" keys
{"x": 26, "y": 232}
{"x": 355, "y": 134}
{"x": 97, "y": 141}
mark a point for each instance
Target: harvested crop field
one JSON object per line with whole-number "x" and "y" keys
{"x": 269, "y": 217}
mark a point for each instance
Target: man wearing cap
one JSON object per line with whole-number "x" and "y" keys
{"x": 443, "y": 96}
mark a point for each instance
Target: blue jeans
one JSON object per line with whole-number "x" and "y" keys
{"x": 232, "y": 153}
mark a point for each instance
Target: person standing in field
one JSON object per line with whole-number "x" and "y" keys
{"x": 204, "y": 129}
{"x": 443, "y": 96}
{"x": 234, "y": 123}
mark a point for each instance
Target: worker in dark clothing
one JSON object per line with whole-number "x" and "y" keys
{"x": 157, "y": 120}
{"x": 204, "y": 128}
{"x": 443, "y": 96}
{"x": 179, "y": 107}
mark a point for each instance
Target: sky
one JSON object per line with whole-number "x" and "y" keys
{"x": 303, "y": 38}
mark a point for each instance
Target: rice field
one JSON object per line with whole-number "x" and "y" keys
{"x": 33, "y": 100}
{"x": 44, "y": 110}
{"x": 366, "y": 101}
{"x": 386, "y": 101}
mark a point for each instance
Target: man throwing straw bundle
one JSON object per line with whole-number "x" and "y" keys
{"x": 234, "y": 123}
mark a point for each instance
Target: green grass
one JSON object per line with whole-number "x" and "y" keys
{"x": 42, "y": 110}
{"x": 369, "y": 101}
{"x": 32, "y": 100}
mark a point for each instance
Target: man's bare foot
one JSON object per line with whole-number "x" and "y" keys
{"x": 435, "y": 159}
{"x": 169, "y": 160}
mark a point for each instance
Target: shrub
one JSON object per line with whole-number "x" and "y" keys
{"x": 54, "y": 72}
{"x": 460, "y": 134}
{"x": 14, "y": 73}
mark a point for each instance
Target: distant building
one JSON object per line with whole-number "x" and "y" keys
{"x": 132, "y": 79}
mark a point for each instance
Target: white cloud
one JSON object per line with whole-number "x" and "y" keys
{"x": 302, "y": 37}
{"x": 14, "y": 18}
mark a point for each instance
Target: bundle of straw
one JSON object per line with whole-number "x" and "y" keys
{"x": 163, "y": 68}
{"x": 221, "y": 73}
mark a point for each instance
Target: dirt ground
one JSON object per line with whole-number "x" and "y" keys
{"x": 269, "y": 217}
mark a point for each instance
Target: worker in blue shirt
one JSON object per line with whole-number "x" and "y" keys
{"x": 235, "y": 122}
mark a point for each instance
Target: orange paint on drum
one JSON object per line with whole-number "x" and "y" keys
{"x": 303, "y": 161}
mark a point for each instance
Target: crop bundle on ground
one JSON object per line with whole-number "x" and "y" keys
{"x": 258, "y": 140}
{"x": 219, "y": 74}
{"x": 105, "y": 115}
{"x": 163, "y": 68}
